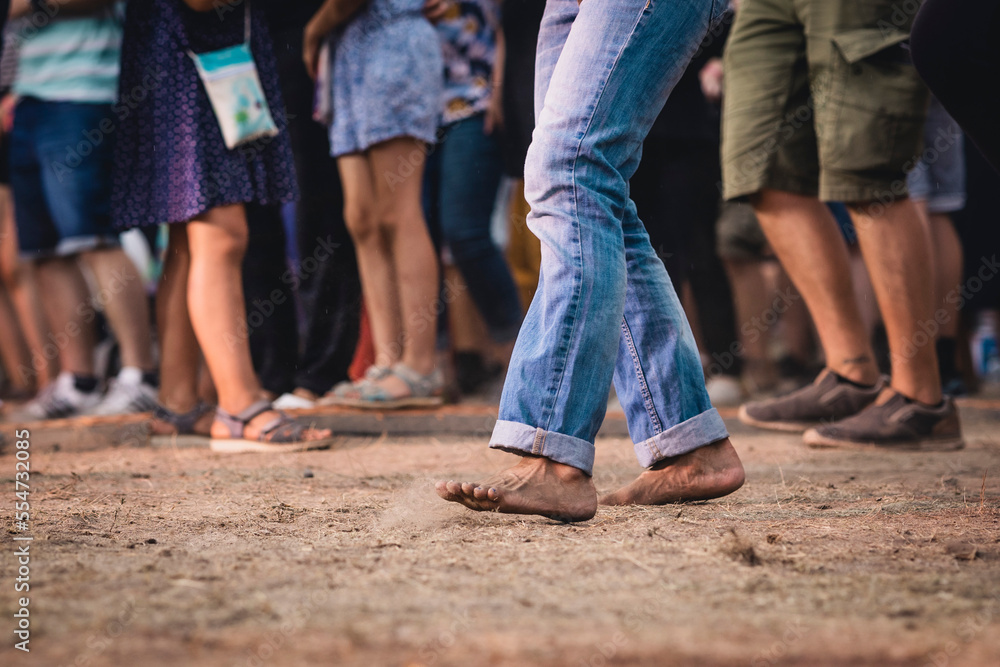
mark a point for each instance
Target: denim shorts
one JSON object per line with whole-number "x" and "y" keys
{"x": 939, "y": 177}
{"x": 60, "y": 175}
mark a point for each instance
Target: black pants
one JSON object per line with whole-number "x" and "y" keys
{"x": 956, "y": 49}
{"x": 329, "y": 288}
{"x": 270, "y": 300}
{"x": 675, "y": 192}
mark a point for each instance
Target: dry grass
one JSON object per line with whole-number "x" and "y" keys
{"x": 824, "y": 558}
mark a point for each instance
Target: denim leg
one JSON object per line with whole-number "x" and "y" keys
{"x": 658, "y": 375}
{"x": 471, "y": 167}
{"x": 617, "y": 63}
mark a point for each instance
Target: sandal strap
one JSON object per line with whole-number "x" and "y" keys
{"x": 184, "y": 422}
{"x": 236, "y": 423}
{"x": 253, "y": 410}
{"x": 419, "y": 385}
{"x": 282, "y": 429}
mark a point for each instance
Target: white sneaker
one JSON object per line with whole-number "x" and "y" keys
{"x": 60, "y": 399}
{"x": 725, "y": 391}
{"x": 127, "y": 394}
{"x": 290, "y": 401}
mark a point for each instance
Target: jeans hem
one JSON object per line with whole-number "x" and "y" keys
{"x": 518, "y": 438}
{"x": 689, "y": 435}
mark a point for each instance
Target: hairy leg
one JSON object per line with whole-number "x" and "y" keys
{"x": 897, "y": 251}
{"x": 805, "y": 237}
{"x": 125, "y": 305}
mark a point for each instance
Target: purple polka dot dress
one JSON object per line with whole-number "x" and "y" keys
{"x": 171, "y": 163}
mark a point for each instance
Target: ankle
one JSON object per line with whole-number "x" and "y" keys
{"x": 178, "y": 403}
{"x": 421, "y": 366}
{"x": 564, "y": 472}
{"x": 930, "y": 396}
{"x": 866, "y": 376}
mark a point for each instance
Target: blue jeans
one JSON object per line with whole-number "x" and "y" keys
{"x": 464, "y": 171}
{"x": 605, "y": 308}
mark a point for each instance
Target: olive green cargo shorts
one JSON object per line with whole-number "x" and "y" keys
{"x": 821, "y": 99}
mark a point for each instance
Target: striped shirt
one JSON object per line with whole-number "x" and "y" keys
{"x": 70, "y": 60}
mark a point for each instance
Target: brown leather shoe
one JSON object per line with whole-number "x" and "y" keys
{"x": 829, "y": 398}
{"x": 894, "y": 422}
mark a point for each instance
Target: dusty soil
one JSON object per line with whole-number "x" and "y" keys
{"x": 183, "y": 557}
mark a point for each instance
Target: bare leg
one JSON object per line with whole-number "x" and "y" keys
{"x": 751, "y": 301}
{"x": 217, "y": 241}
{"x": 863, "y": 292}
{"x": 805, "y": 237}
{"x": 796, "y": 324}
{"x": 19, "y": 278}
{"x": 896, "y": 248}
{"x": 66, "y": 302}
{"x": 378, "y": 281}
{"x": 125, "y": 304}
{"x": 13, "y": 350}
{"x": 948, "y": 261}
{"x": 179, "y": 353}
{"x": 409, "y": 244}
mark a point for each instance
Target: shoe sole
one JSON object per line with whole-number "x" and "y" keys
{"x": 398, "y": 404}
{"x": 784, "y": 426}
{"x": 174, "y": 440}
{"x": 239, "y": 446}
{"x": 817, "y": 440}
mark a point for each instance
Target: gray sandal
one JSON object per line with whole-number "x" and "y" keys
{"x": 281, "y": 434}
{"x": 426, "y": 391}
{"x": 184, "y": 434}
{"x": 346, "y": 391}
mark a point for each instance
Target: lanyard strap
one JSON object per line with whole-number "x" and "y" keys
{"x": 246, "y": 28}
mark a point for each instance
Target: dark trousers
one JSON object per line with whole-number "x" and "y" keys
{"x": 675, "y": 190}
{"x": 329, "y": 288}
{"x": 270, "y": 300}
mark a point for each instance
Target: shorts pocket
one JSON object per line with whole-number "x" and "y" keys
{"x": 877, "y": 105}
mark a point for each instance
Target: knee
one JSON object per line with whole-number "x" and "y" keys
{"x": 12, "y": 273}
{"x": 362, "y": 222}
{"x": 233, "y": 246}
{"x": 539, "y": 166}
{"x": 395, "y": 215}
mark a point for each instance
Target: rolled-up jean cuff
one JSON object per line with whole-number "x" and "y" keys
{"x": 700, "y": 430}
{"x": 518, "y": 438}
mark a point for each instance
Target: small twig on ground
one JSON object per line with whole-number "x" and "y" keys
{"x": 982, "y": 492}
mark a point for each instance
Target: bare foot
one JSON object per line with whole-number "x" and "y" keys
{"x": 709, "y": 472}
{"x": 535, "y": 485}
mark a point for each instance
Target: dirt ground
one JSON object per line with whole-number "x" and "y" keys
{"x": 183, "y": 557}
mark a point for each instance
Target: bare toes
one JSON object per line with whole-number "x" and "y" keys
{"x": 468, "y": 490}
{"x": 442, "y": 490}
{"x": 480, "y": 493}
